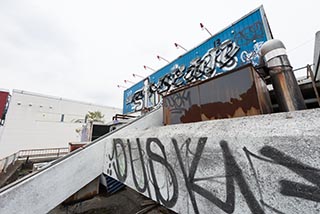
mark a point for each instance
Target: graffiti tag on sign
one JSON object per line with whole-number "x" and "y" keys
{"x": 223, "y": 57}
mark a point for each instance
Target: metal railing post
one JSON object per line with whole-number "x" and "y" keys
{"x": 309, "y": 71}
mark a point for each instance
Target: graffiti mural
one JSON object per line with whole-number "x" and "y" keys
{"x": 252, "y": 57}
{"x": 193, "y": 175}
{"x": 237, "y": 45}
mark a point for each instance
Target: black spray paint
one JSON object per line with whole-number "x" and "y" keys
{"x": 155, "y": 152}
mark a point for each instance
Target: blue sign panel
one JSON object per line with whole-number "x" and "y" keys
{"x": 234, "y": 46}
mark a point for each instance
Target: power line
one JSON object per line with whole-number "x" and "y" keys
{"x": 301, "y": 44}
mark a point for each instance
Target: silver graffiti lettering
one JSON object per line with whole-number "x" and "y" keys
{"x": 200, "y": 68}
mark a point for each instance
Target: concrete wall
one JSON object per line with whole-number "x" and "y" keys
{"x": 258, "y": 164}
{"x": 34, "y": 121}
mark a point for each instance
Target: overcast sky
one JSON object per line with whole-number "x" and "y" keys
{"x": 82, "y": 50}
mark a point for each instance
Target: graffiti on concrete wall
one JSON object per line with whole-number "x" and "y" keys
{"x": 126, "y": 154}
{"x": 190, "y": 175}
{"x": 289, "y": 187}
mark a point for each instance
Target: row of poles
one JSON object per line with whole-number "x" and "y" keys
{"x": 178, "y": 46}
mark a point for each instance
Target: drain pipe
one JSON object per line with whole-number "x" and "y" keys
{"x": 286, "y": 88}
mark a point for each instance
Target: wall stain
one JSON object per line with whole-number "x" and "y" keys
{"x": 247, "y": 105}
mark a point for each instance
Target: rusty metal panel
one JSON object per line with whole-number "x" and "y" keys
{"x": 235, "y": 94}
{"x": 178, "y": 103}
{"x": 263, "y": 93}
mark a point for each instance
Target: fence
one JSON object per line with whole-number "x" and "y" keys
{"x": 32, "y": 154}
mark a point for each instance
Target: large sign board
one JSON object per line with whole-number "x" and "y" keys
{"x": 232, "y": 47}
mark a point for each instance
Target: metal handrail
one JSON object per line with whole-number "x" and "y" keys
{"x": 32, "y": 154}
{"x": 77, "y": 151}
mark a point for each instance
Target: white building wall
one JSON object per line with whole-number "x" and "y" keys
{"x": 34, "y": 121}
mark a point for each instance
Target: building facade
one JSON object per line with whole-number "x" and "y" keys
{"x": 35, "y": 121}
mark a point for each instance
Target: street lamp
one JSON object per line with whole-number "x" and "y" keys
{"x": 128, "y": 81}
{"x": 137, "y": 75}
{"x": 147, "y": 67}
{"x": 120, "y": 86}
{"x": 179, "y": 46}
{"x": 204, "y": 28}
{"x": 161, "y": 58}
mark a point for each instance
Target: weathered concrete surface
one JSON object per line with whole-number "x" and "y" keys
{"x": 258, "y": 164}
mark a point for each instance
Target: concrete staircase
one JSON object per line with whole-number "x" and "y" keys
{"x": 42, "y": 191}
{"x": 258, "y": 164}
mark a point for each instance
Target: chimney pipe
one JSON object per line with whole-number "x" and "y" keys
{"x": 284, "y": 83}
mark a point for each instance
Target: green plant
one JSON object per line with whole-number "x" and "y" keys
{"x": 95, "y": 116}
